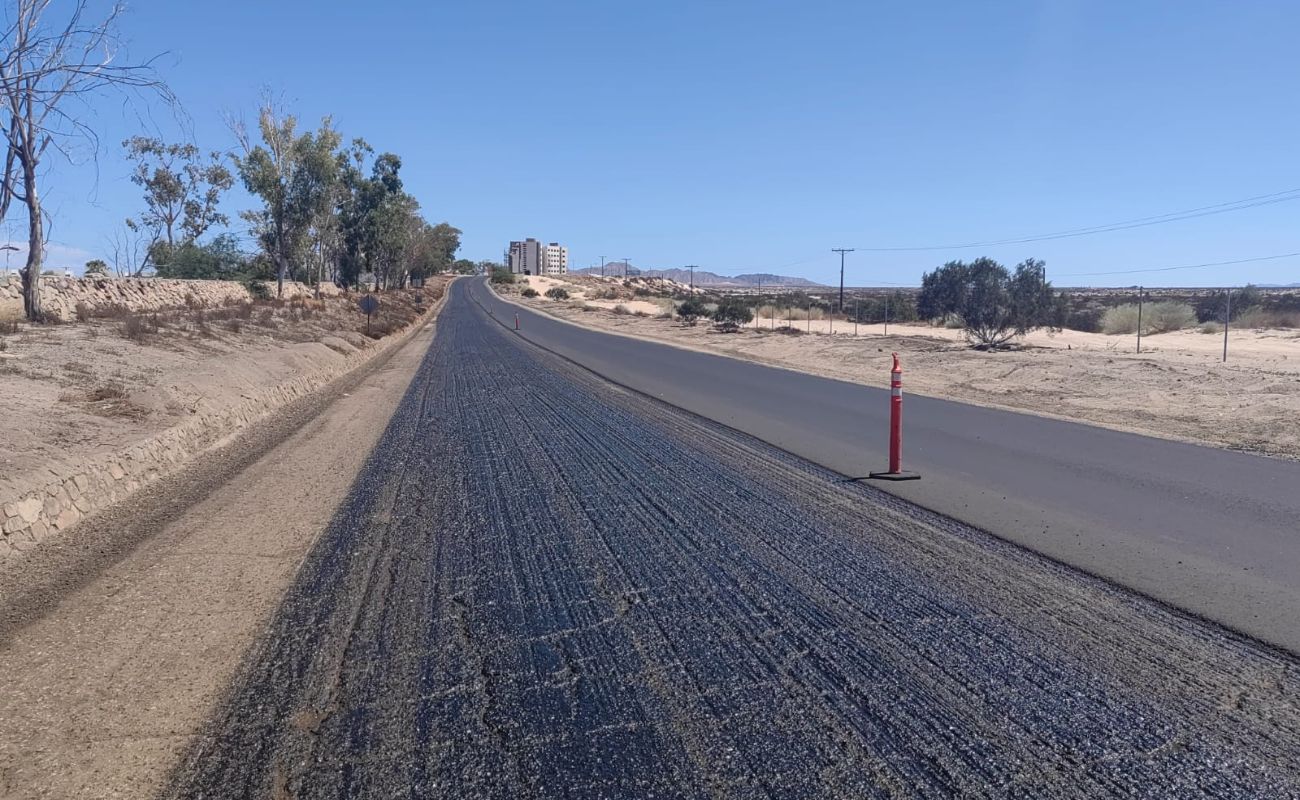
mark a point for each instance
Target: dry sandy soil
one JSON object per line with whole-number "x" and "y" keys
{"x": 99, "y": 386}
{"x": 1177, "y": 388}
{"x": 116, "y": 643}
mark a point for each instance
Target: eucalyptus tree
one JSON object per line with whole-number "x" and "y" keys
{"x": 182, "y": 189}
{"x": 294, "y": 175}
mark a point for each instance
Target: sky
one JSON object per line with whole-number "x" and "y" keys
{"x": 755, "y": 136}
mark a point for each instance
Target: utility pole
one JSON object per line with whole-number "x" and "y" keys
{"x": 842, "y": 251}
{"x": 627, "y": 264}
{"x": 602, "y": 266}
{"x": 691, "y": 267}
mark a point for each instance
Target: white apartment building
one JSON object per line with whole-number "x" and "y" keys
{"x": 531, "y": 257}
{"x": 555, "y": 259}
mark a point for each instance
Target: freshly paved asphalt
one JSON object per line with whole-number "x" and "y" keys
{"x": 545, "y": 586}
{"x": 1211, "y": 531}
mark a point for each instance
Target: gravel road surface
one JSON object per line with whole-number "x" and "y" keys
{"x": 543, "y": 585}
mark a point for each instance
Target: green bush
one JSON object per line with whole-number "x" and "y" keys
{"x": 529, "y": 292}
{"x": 557, "y": 293}
{"x": 691, "y": 309}
{"x": 502, "y": 275}
{"x": 731, "y": 313}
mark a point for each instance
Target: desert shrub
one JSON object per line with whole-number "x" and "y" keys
{"x": 234, "y": 325}
{"x": 1211, "y": 327}
{"x": 529, "y": 292}
{"x": 641, "y": 291}
{"x": 137, "y": 328}
{"x": 640, "y": 314}
{"x": 266, "y": 318}
{"x": 1087, "y": 319}
{"x": 1158, "y": 317}
{"x": 1120, "y": 319}
{"x": 731, "y": 313}
{"x": 82, "y": 311}
{"x": 502, "y": 276}
{"x": 1257, "y": 317}
{"x": 557, "y": 293}
{"x": 622, "y": 310}
{"x": 259, "y": 290}
{"x": 1167, "y": 316}
{"x": 1211, "y": 307}
{"x": 8, "y": 326}
{"x": 3, "y": 345}
{"x": 244, "y": 311}
{"x": 691, "y": 309}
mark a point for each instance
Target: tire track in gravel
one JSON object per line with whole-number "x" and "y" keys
{"x": 546, "y": 586}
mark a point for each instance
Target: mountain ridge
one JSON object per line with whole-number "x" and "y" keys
{"x": 706, "y": 278}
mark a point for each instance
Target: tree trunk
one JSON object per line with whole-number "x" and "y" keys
{"x": 31, "y": 274}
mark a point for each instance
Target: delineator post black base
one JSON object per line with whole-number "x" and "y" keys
{"x": 895, "y": 476}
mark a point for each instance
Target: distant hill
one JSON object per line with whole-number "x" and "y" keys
{"x": 706, "y": 279}
{"x": 1279, "y": 286}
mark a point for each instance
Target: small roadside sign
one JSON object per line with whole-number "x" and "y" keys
{"x": 369, "y": 304}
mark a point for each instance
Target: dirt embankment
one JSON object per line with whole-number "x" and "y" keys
{"x": 97, "y": 409}
{"x": 1177, "y": 388}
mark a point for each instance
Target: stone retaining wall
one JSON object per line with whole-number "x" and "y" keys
{"x": 68, "y": 494}
{"x": 60, "y": 295}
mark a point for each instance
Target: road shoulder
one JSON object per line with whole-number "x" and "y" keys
{"x": 128, "y": 639}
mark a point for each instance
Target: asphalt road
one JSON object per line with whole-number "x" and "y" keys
{"x": 542, "y": 585}
{"x": 1208, "y": 530}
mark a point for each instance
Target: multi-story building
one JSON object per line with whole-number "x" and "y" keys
{"x": 531, "y": 257}
{"x": 525, "y": 257}
{"x": 555, "y": 259}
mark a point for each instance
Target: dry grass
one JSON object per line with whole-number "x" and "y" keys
{"x": 1160, "y": 317}
{"x": 1259, "y": 319}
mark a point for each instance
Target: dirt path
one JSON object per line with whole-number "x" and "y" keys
{"x": 116, "y": 643}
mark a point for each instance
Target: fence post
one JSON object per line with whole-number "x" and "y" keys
{"x": 855, "y": 316}
{"x": 1140, "y": 292}
{"x": 896, "y": 472}
{"x": 1227, "y": 320}
{"x": 809, "y": 325}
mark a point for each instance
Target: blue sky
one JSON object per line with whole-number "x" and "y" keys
{"x": 755, "y": 136}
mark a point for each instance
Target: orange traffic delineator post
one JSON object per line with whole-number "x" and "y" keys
{"x": 896, "y": 471}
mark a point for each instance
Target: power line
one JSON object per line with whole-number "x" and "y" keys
{"x": 1181, "y": 267}
{"x": 1140, "y": 222}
